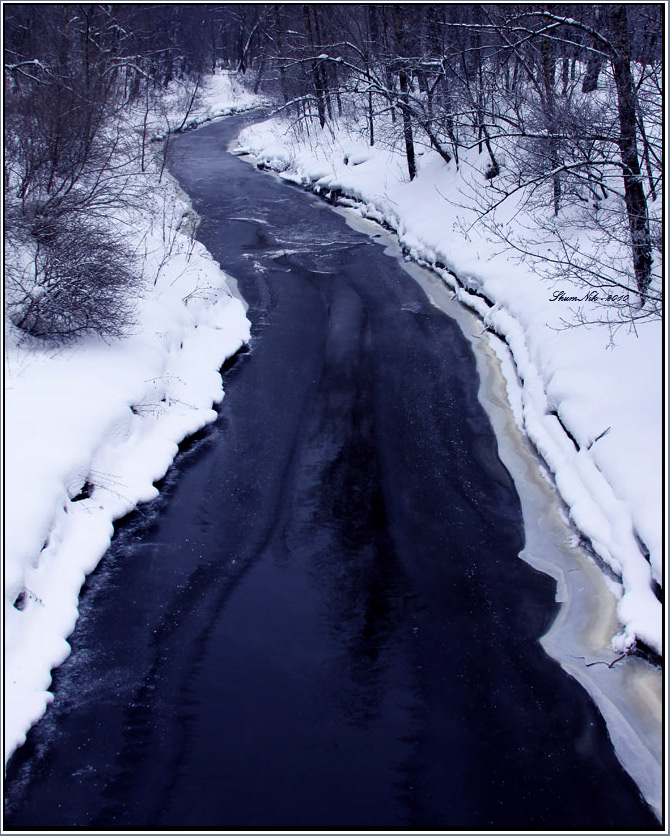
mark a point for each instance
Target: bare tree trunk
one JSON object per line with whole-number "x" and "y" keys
{"x": 316, "y": 70}
{"x": 389, "y": 86}
{"x": 282, "y": 70}
{"x": 645, "y": 152}
{"x": 404, "y": 95}
{"x": 636, "y": 202}
{"x": 565, "y": 66}
{"x": 549, "y": 72}
{"x": 494, "y": 170}
{"x": 190, "y": 104}
{"x": 259, "y": 73}
{"x": 593, "y": 67}
{"x": 449, "y": 119}
{"x": 323, "y": 67}
{"x": 144, "y": 129}
{"x": 407, "y": 125}
{"x": 371, "y": 121}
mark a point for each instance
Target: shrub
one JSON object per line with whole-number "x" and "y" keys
{"x": 78, "y": 283}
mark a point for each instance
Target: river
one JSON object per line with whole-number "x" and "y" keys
{"x": 324, "y": 622}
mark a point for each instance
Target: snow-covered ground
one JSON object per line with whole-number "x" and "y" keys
{"x": 90, "y": 427}
{"x": 591, "y": 401}
{"x": 219, "y": 94}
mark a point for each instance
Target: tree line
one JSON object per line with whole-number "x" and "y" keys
{"x": 569, "y": 95}
{"x": 563, "y": 102}
{"x": 73, "y": 74}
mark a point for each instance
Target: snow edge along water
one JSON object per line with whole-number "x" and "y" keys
{"x": 629, "y": 697}
{"x": 89, "y": 452}
{"x": 601, "y": 519}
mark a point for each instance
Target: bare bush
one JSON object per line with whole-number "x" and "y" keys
{"x": 78, "y": 283}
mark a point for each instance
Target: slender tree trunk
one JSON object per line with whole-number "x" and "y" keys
{"x": 483, "y": 131}
{"x": 389, "y": 86}
{"x": 282, "y": 70}
{"x": 565, "y": 66}
{"x": 337, "y": 92}
{"x": 190, "y": 104}
{"x": 645, "y": 152}
{"x": 316, "y": 70}
{"x": 323, "y": 67}
{"x": 549, "y": 73}
{"x": 636, "y": 201}
{"x": 371, "y": 121}
{"x": 407, "y": 125}
{"x": 144, "y": 129}
{"x": 259, "y": 73}
{"x": 593, "y": 67}
{"x": 448, "y": 117}
{"x": 494, "y": 171}
{"x": 404, "y": 94}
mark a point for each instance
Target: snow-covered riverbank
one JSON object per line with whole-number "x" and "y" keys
{"x": 627, "y": 691}
{"x": 90, "y": 427}
{"x": 591, "y": 405}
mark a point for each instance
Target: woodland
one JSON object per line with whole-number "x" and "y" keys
{"x": 565, "y": 102}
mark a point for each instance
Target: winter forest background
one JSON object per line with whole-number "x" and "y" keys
{"x": 562, "y": 102}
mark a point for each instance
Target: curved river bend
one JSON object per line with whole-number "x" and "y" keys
{"x": 324, "y": 622}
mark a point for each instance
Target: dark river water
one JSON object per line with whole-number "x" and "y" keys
{"x": 324, "y": 621}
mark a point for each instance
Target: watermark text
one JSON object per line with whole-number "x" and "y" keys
{"x": 590, "y": 296}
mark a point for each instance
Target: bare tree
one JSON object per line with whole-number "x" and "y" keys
{"x": 576, "y": 144}
{"x": 78, "y": 283}
{"x": 565, "y": 102}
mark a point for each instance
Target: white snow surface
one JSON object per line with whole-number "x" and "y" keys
{"x": 108, "y": 415}
{"x": 603, "y": 389}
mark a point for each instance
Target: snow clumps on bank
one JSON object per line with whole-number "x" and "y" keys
{"x": 591, "y": 407}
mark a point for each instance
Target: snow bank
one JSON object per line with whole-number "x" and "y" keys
{"x": 91, "y": 427}
{"x": 591, "y": 405}
{"x": 222, "y": 94}
{"x": 219, "y": 94}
